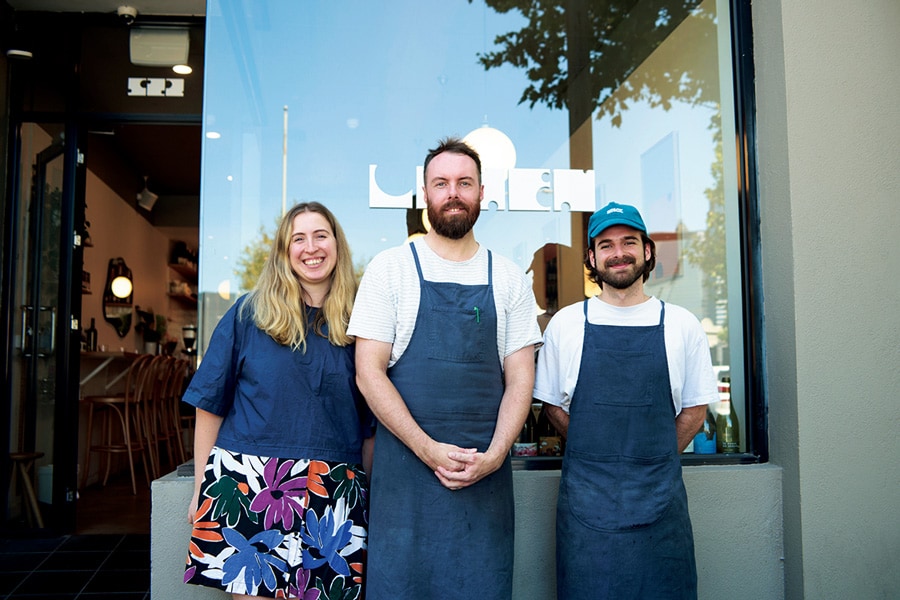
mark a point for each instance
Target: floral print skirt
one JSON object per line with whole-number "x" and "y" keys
{"x": 280, "y": 528}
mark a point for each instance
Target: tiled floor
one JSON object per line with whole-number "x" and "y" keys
{"x": 86, "y": 567}
{"x": 108, "y": 557}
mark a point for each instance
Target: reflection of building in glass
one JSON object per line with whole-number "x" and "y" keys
{"x": 668, "y": 255}
{"x": 660, "y": 185}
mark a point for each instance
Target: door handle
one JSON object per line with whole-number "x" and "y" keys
{"x": 30, "y": 339}
{"x": 44, "y": 352}
{"x": 26, "y": 330}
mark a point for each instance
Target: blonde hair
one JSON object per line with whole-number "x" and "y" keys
{"x": 276, "y": 303}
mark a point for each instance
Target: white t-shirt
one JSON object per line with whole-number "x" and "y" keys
{"x": 691, "y": 374}
{"x": 387, "y": 302}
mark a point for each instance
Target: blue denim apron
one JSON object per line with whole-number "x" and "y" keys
{"x": 622, "y": 524}
{"x": 426, "y": 541}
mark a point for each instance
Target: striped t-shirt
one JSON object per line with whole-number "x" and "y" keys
{"x": 388, "y": 299}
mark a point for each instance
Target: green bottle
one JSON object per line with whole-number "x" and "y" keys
{"x": 728, "y": 431}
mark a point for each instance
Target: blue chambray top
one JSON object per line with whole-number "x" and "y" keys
{"x": 281, "y": 402}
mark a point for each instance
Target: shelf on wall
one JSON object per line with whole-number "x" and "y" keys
{"x": 186, "y": 271}
{"x": 191, "y": 300}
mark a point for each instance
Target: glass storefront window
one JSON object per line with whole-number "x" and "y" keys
{"x": 586, "y": 103}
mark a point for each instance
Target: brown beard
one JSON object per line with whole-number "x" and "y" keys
{"x": 454, "y": 227}
{"x": 620, "y": 282}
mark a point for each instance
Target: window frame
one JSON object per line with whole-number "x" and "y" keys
{"x": 753, "y": 318}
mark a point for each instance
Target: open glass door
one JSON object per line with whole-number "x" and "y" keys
{"x": 43, "y": 345}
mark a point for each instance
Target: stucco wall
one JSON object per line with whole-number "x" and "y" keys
{"x": 828, "y": 118}
{"x": 736, "y": 512}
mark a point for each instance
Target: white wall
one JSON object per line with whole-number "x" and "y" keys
{"x": 828, "y": 116}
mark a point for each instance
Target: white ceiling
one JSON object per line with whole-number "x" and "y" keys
{"x": 144, "y": 7}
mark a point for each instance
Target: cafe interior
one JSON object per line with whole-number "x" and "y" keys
{"x": 83, "y": 457}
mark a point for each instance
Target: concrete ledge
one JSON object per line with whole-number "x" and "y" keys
{"x": 736, "y": 513}
{"x": 169, "y": 535}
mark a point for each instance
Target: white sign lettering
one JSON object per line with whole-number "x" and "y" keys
{"x": 514, "y": 189}
{"x": 156, "y": 86}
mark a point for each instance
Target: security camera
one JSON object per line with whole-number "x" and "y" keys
{"x": 127, "y": 13}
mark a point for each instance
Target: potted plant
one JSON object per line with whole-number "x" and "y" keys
{"x": 153, "y": 329}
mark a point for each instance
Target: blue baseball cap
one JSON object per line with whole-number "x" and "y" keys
{"x": 614, "y": 214}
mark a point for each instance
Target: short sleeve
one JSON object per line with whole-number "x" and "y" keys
{"x": 521, "y": 323}
{"x": 559, "y": 359}
{"x": 548, "y": 370}
{"x": 374, "y": 315}
{"x": 212, "y": 386}
{"x": 700, "y": 385}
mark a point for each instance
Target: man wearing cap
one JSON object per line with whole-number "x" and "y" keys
{"x": 626, "y": 377}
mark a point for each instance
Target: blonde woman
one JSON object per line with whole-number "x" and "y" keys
{"x": 280, "y": 505}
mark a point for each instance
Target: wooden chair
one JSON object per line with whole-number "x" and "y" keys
{"x": 164, "y": 421}
{"x": 150, "y": 397}
{"x": 173, "y": 407}
{"x": 122, "y": 412}
{"x": 22, "y": 462}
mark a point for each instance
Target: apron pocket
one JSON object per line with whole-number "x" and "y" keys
{"x": 630, "y": 387}
{"x": 615, "y": 493}
{"x": 456, "y": 335}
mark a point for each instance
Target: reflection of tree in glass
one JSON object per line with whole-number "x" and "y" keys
{"x": 583, "y": 56}
{"x": 253, "y": 257}
{"x": 707, "y": 249}
{"x": 578, "y": 50}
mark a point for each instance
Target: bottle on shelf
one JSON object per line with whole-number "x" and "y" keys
{"x": 549, "y": 440}
{"x": 728, "y": 432}
{"x": 526, "y": 444}
{"x": 705, "y": 440}
{"x": 91, "y": 337}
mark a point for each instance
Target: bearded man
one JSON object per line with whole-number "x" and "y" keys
{"x": 445, "y": 339}
{"x": 626, "y": 378}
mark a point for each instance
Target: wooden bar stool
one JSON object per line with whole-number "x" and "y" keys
{"x": 153, "y": 399}
{"x": 167, "y": 411}
{"x": 22, "y": 464}
{"x": 122, "y": 410}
